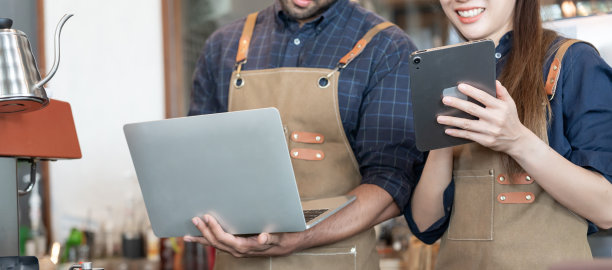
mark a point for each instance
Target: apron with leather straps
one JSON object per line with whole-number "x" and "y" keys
{"x": 323, "y": 161}
{"x": 502, "y": 221}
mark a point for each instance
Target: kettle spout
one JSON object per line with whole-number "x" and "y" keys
{"x": 56, "y": 60}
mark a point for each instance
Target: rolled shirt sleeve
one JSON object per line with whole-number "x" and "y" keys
{"x": 437, "y": 229}
{"x": 384, "y": 142}
{"x": 582, "y": 123}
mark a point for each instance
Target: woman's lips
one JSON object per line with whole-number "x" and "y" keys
{"x": 469, "y": 15}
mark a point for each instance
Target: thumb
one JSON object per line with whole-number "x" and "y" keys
{"x": 501, "y": 91}
{"x": 268, "y": 239}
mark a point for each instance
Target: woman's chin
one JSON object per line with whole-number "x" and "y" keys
{"x": 471, "y": 37}
{"x": 470, "y": 34}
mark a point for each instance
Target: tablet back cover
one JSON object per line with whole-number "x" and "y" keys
{"x": 435, "y": 73}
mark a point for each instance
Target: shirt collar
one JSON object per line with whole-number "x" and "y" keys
{"x": 321, "y": 22}
{"x": 505, "y": 44}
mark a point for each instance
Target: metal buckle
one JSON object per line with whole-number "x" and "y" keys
{"x": 239, "y": 81}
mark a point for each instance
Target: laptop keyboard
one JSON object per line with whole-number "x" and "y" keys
{"x": 311, "y": 214}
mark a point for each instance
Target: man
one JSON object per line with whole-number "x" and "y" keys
{"x": 339, "y": 76}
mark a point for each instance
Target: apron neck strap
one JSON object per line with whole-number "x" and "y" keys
{"x": 249, "y": 25}
{"x": 358, "y": 48}
{"x": 555, "y": 67}
{"x": 245, "y": 39}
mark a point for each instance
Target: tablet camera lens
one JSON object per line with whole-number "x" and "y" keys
{"x": 416, "y": 60}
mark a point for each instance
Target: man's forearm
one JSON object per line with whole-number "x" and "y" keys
{"x": 372, "y": 206}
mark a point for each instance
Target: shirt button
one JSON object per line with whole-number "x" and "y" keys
{"x": 497, "y": 55}
{"x": 296, "y": 41}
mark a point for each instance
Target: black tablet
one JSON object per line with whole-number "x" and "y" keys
{"x": 435, "y": 73}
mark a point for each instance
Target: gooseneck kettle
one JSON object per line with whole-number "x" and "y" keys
{"x": 21, "y": 86}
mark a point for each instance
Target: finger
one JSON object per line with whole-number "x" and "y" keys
{"x": 477, "y": 126}
{"x": 501, "y": 91}
{"x": 480, "y": 138}
{"x": 477, "y": 94}
{"x": 463, "y": 123}
{"x": 194, "y": 239}
{"x": 272, "y": 251}
{"x": 240, "y": 245}
{"x": 466, "y": 106}
{"x": 218, "y": 231}
{"x": 201, "y": 224}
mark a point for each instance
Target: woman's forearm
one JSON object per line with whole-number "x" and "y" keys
{"x": 582, "y": 191}
{"x": 427, "y": 201}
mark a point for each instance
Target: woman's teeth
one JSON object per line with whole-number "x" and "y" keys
{"x": 470, "y": 13}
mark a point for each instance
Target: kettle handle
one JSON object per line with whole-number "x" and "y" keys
{"x": 56, "y": 57}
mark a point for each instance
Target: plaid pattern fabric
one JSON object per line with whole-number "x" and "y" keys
{"x": 373, "y": 95}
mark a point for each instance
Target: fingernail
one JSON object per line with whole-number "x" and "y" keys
{"x": 445, "y": 100}
{"x": 187, "y": 239}
{"x": 206, "y": 219}
{"x": 196, "y": 221}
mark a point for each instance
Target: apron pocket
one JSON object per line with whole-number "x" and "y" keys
{"x": 472, "y": 214}
{"x": 319, "y": 258}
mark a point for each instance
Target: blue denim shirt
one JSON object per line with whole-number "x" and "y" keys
{"x": 373, "y": 94}
{"x": 581, "y": 124}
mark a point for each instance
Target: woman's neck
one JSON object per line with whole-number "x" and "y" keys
{"x": 497, "y": 35}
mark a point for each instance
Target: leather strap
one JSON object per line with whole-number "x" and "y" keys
{"x": 361, "y": 44}
{"x": 249, "y": 25}
{"x": 519, "y": 179}
{"x": 307, "y": 137}
{"x": 555, "y": 67}
{"x": 515, "y": 197}
{"x": 307, "y": 154}
{"x": 245, "y": 39}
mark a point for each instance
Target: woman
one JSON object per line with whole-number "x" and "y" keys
{"x": 540, "y": 167}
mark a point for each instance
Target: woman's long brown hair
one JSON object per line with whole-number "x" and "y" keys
{"x": 522, "y": 74}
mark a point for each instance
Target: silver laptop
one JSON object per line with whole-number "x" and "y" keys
{"x": 234, "y": 166}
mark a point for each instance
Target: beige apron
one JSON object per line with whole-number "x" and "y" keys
{"x": 322, "y": 158}
{"x": 503, "y": 222}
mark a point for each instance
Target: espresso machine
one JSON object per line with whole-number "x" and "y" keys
{"x": 32, "y": 127}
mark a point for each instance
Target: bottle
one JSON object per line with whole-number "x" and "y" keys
{"x": 152, "y": 245}
{"x": 132, "y": 240}
{"x": 166, "y": 254}
{"x": 194, "y": 256}
{"x": 100, "y": 243}
{"x": 109, "y": 234}
{"x": 74, "y": 240}
{"x": 87, "y": 248}
{"x": 38, "y": 234}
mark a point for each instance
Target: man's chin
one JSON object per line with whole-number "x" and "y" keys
{"x": 297, "y": 13}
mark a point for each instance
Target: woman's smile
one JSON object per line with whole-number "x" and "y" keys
{"x": 469, "y": 15}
